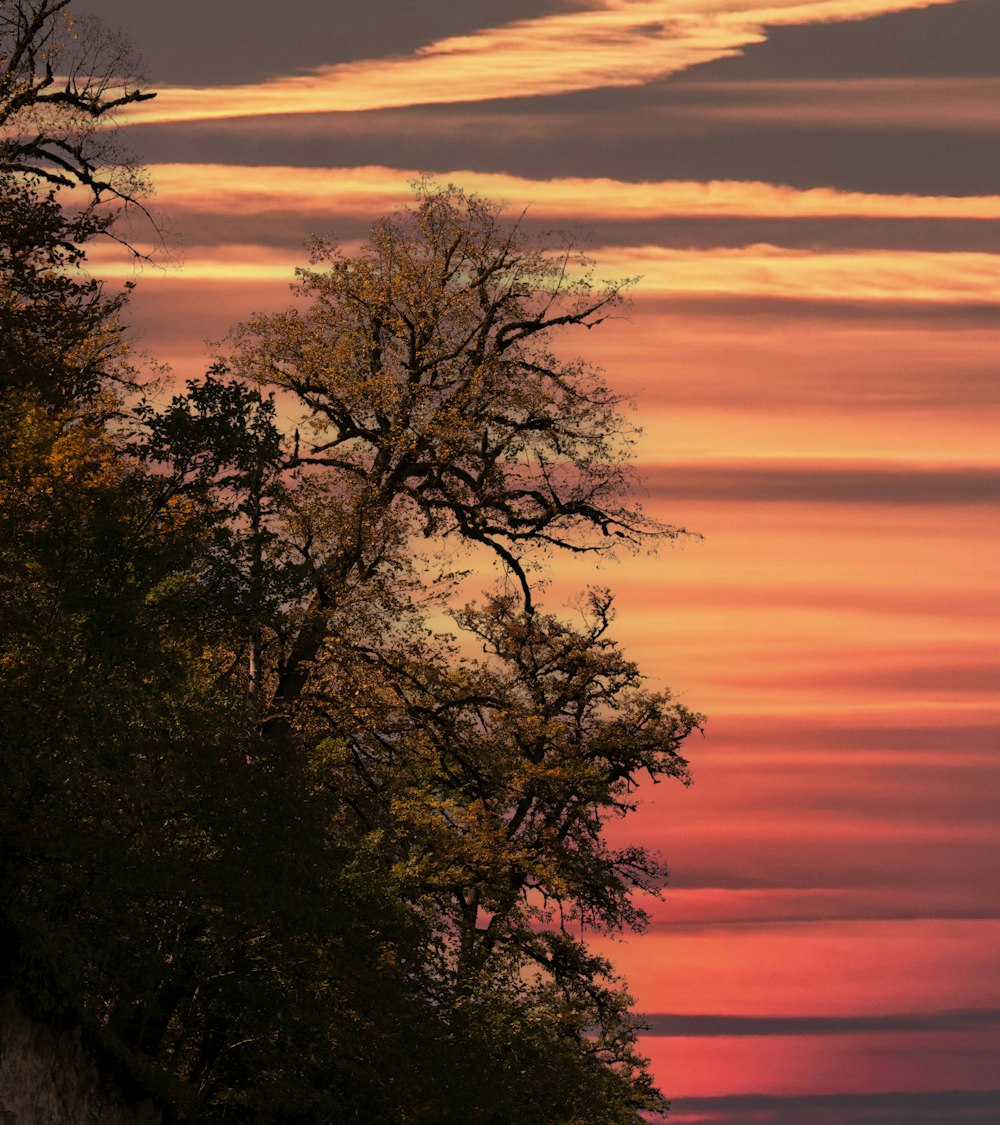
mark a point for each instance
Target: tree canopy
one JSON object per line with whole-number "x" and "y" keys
{"x": 62, "y": 79}
{"x": 302, "y": 821}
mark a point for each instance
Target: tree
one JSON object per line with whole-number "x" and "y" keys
{"x": 64, "y": 181}
{"x": 426, "y": 372}
{"x": 436, "y": 410}
{"x": 486, "y": 784}
{"x": 60, "y": 332}
{"x": 67, "y": 497}
{"x": 162, "y": 878}
{"x": 61, "y": 82}
{"x": 271, "y": 831}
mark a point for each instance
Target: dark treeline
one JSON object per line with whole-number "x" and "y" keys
{"x": 297, "y": 833}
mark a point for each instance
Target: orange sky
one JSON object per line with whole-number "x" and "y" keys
{"x": 812, "y": 348}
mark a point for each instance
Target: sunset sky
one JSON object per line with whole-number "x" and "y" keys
{"x": 810, "y": 193}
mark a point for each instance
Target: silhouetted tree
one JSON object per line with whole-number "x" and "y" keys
{"x": 289, "y": 845}
{"x": 61, "y": 81}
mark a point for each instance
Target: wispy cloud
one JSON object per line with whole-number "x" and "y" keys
{"x": 956, "y": 1107}
{"x": 701, "y": 904}
{"x": 862, "y": 738}
{"x": 902, "y": 277}
{"x": 611, "y": 43}
{"x": 770, "y": 271}
{"x": 832, "y": 482}
{"x": 370, "y": 190}
{"x": 834, "y": 968}
{"x": 897, "y": 103}
{"x": 965, "y": 1019}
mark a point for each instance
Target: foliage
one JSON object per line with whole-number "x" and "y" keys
{"x": 293, "y": 849}
{"x": 425, "y": 366}
{"x": 61, "y": 82}
{"x": 60, "y": 333}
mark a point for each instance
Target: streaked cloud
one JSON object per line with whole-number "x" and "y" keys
{"x": 896, "y": 103}
{"x": 834, "y": 968}
{"x": 794, "y": 879}
{"x": 905, "y": 276}
{"x": 865, "y": 738}
{"x": 772, "y": 271}
{"x": 862, "y": 738}
{"x": 704, "y": 904}
{"x": 965, "y": 1019}
{"x": 840, "y": 358}
{"x": 956, "y": 1107}
{"x": 611, "y": 43}
{"x": 192, "y": 41}
{"x": 798, "y": 1066}
{"x": 923, "y": 43}
{"x": 368, "y": 191}
{"x": 831, "y": 482}
{"x": 931, "y": 602}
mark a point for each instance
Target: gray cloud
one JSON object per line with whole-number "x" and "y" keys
{"x": 898, "y": 681}
{"x": 976, "y": 1019}
{"x": 952, "y": 1107}
{"x": 205, "y": 227}
{"x": 612, "y": 133}
{"x": 970, "y": 739}
{"x": 191, "y": 42}
{"x": 634, "y": 133}
{"x": 809, "y": 309}
{"x": 737, "y": 916}
{"x": 960, "y": 39}
{"x": 809, "y": 483}
{"x": 980, "y": 603}
{"x": 858, "y": 854}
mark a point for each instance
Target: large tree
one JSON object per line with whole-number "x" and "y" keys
{"x": 60, "y": 328}
{"x": 437, "y": 415}
{"x": 433, "y": 398}
{"x": 62, "y": 80}
{"x": 65, "y": 180}
{"x": 304, "y": 808}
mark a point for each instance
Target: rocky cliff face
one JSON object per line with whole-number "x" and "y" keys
{"x": 48, "y": 1077}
